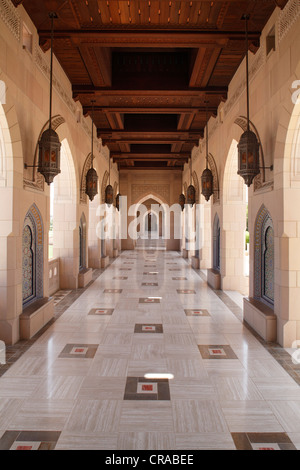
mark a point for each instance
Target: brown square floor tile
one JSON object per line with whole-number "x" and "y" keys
{"x": 186, "y": 291}
{"x": 29, "y": 440}
{"x": 139, "y": 388}
{"x": 83, "y": 351}
{"x": 101, "y": 311}
{"x": 148, "y": 328}
{"x": 149, "y": 300}
{"x": 112, "y": 291}
{"x": 262, "y": 441}
{"x": 196, "y": 312}
{"x": 219, "y": 351}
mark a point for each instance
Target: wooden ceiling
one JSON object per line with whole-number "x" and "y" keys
{"x": 152, "y": 67}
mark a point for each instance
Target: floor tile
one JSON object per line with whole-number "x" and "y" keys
{"x": 147, "y": 356}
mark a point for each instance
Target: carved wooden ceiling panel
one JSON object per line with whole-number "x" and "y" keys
{"x": 150, "y": 66}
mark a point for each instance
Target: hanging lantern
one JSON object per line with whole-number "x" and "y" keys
{"x": 91, "y": 187}
{"x": 207, "y": 181}
{"x": 191, "y": 195}
{"x": 248, "y": 155}
{"x": 49, "y": 155}
{"x": 182, "y": 201}
{"x": 118, "y": 201}
{"x": 91, "y": 182}
{"x": 49, "y": 144}
{"x": 248, "y": 147}
{"x": 109, "y": 195}
{"x": 191, "y": 191}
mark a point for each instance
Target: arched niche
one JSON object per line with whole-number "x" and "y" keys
{"x": 82, "y": 242}
{"x": 264, "y": 257}
{"x": 216, "y": 252}
{"x": 32, "y": 256}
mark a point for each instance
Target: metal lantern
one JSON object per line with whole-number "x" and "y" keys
{"x": 91, "y": 182}
{"x": 248, "y": 159}
{"x": 49, "y": 155}
{"x": 109, "y": 195}
{"x": 49, "y": 144}
{"x": 182, "y": 201}
{"x": 91, "y": 187}
{"x": 191, "y": 195}
{"x": 207, "y": 181}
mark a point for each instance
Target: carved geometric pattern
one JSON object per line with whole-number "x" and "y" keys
{"x": 11, "y": 18}
{"x": 264, "y": 257}
{"x": 140, "y": 190}
{"x": 28, "y": 263}
{"x": 33, "y": 243}
{"x": 287, "y": 17}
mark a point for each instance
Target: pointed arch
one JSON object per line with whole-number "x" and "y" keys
{"x": 32, "y": 255}
{"x": 213, "y": 166}
{"x": 87, "y": 165}
{"x": 234, "y": 191}
{"x": 264, "y": 257}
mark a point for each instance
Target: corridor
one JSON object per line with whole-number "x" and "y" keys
{"x": 149, "y": 357}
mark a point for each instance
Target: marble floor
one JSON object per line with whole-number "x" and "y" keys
{"x": 148, "y": 357}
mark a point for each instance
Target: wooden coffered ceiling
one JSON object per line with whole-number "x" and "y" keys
{"x": 152, "y": 67}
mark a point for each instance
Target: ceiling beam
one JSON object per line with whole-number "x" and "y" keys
{"x": 105, "y": 91}
{"x": 143, "y": 110}
{"x": 149, "y": 155}
{"x": 185, "y": 38}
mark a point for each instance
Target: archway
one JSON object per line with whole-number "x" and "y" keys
{"x": 286, "y": 218}
{"x": 11, "y": 183}
{"x": 63, "y": 196}
{"x": 150, "y": 217}
{"x": 235, "y": 236}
